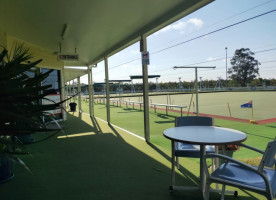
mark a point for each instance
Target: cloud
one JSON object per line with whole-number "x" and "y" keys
{"x": 184, "y": 26}
{"x": 153, "y": 67}
{"x": 180, "y": 25}
{"x": 126, "y": 70}
{"x": 215, "y": 59}
{"x": 135, "y": 52}
{"x": 198, "y": 23}
{"x": 210, "y": 58}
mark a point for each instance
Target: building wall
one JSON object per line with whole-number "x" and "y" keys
{"x": 3, "y": 41}
{"x": 49, "y": 60}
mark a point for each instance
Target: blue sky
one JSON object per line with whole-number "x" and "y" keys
{"x": 258, "y": 34}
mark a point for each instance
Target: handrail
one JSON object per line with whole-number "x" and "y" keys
{"x": 252, "y": 148}
{"x": 212, "y": 155}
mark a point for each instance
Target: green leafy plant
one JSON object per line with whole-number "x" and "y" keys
{"x": 21, "y": 95}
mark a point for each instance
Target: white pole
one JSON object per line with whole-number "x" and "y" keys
{"x": 89, "y": 90}
{"x": 71, "y": 90}
{"x": 145, "y": 91}
{"x": 74, "y": 90}
{"x": 196, "y": 91}
{"x": 92, "y": 92}
{"x": 63, "y": 96}
{"x": 195, "y": 67}
{"x": 226, "y": 66}
{"x": 79, "y": 95}
{"x": 107, "y": 90}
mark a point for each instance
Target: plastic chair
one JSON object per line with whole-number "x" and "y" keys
{"x": 190, "y": 150}
{"x": 261, "y": 179}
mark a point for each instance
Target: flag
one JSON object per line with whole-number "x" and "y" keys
{"x": 249, "y": 104}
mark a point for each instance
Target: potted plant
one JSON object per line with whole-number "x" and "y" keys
{"x": 6, "y": 167}
{"x": 73, "y": 106}
{"x": 227, "y": 150}
{"x": 20, "y": 103}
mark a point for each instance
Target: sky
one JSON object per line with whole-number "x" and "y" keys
{"x": 169, "y": 47}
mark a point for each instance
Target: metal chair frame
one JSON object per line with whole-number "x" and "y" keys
{"x": 268, "y": 160}
{"x": 188, "y": 121}
{"x": 191, "y": 121}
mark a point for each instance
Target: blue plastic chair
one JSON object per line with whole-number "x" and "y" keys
{"x": 260, "y": 179}
{"x": 190, "y": 150}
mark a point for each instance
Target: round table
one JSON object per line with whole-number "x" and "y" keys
{"x": 202, "y": 135}
{"x": 206, "y": 135}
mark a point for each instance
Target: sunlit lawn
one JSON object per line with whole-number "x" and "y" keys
{"x": 98, "y": 161}
{"x": 132, "y": 120}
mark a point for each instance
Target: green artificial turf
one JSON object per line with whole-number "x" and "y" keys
{"x": 132, "y": 120}
{"x": 219, "y": 103}
{"x": 101, "y": 162}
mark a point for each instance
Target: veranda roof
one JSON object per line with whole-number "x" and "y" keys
{"x": 91, "y": 28}
{"x": 72, "y": 73}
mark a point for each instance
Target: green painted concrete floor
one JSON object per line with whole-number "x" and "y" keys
{"x": 97, "y": 161}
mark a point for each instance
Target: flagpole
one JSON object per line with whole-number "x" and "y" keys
{"x": 252, "y": 118}
{"x": 252, "y": 121}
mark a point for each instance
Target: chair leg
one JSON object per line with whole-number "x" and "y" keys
{"x": 222, "y": 192}
{"x": 173, "y": 172}
{"x": 173, "y": 163}
{"x": 213, "y": 164}
{"x": 216, "y": 164}
{"x": 270, "y": 196}
{"x": 207, "y": 190}
{"x": 177, "y": 163}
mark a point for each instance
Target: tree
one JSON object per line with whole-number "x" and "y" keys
{"x": 244, "y": 66}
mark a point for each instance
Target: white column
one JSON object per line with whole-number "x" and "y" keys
{"x": 145, "y": 91}
{"x": 89, "y": 90}
{"x": 74, "y": 90}
{"x": 79, "y": 95}
{"x": 70, "y": 91}
{"x": 92, "y": 93}
{"x": 196, "y": 80}
{"x": 107, "y": 90}
{"x": 63, "y": 94}
{"x": 67, "y": 86}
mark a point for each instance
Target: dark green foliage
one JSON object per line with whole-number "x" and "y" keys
{"x": 244, "y": 66}
{"x": 21, "y": 94}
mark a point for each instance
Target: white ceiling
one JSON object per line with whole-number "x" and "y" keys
{"x": 97, "y": 28}
{"x": 71, "y": 73}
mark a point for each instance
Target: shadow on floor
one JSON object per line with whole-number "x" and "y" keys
{"x": 191, "y": 179}
{"x": 98, "y": 166}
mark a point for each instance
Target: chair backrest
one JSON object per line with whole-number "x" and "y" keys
{"x": 268, "y": 159}
{"x": 194, "y": 121}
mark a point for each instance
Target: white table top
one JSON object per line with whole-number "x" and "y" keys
{"x": 206, "y": 135}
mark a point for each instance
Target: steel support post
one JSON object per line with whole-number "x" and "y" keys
{"x": 107, "y": 90}
{"x": 196, "y": 80}
{"x": 79, "y": 95}
{"x": 64, "y": 116}
{"x": 92, "y": 92}
{"x": 145, "y": 91}
{"x": 89, "y": 90}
